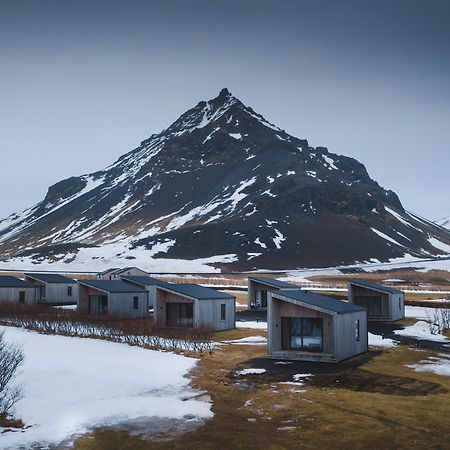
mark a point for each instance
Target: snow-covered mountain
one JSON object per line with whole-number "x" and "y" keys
{"x": 445, "y": 222}
{"x": 224, "y": 186}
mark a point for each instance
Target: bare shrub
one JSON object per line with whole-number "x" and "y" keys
{"x": 439, "y": 319}
{"x": 11, "y": 358}
{"x": 139, "y": 332}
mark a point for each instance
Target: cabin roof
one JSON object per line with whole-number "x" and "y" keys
{"x": 274, "y": 282}
{"x": 197, "y": 292}
{"x": 144, "y": 280}
{"x": 112, "y": 286}
{"x": 375, "y": 286}
{"x": 8, "y": 281}
{"x": 320, "y": 301}
{"x": 50, "y": 278}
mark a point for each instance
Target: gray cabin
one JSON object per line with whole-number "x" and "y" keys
{"x": 14, "y": 290}
{"x": 53, "y": 289}
{"x": 106, "y": 274}
{"x": 191, "y": 305}
{"x": 145, "y": 282}
{"x": 383, "y": 303}
{"x": 116, "y": 273}
{"x": 259, "y": 287}
{"x": 112, "y": 297}
{"x": 305, "y": 326}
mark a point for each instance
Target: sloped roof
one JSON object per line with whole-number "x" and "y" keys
{"x": 112, "y": 269}
{"x": 50, "y": 278}
{"x": 144, "y": 280}
{"x": 273, "y": 282}
{"x": 8, "y": 281}
{"x": 197, "y": 292}
{"x": 112, "y": 286}
{"x": 321, "y": 301}
{"x": 375, "y": 286}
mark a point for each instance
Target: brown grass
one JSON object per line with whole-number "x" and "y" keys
{"x": 323, "y": 417}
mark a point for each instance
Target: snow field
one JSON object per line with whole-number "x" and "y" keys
{"x": 73, "y": 385}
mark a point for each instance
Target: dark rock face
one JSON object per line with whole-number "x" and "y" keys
{"x": 221, "y": 180}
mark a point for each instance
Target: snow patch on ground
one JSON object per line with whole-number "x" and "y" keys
{"x": 250, "y": 340}
{"x": 421, "y": 330}
{"x": 378, "y": 341}
{"x": 72, "y": 385}
{"x": 253, "y": 324}
{"x": 440, "y": 366}
{"x": 250, "y": 371}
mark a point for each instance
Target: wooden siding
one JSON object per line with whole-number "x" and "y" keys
{"x": 12, "y": 294}
{"x": 56, "y": 293}
{"x": 120, "y": 304}
{"x": 339, "y": 332}
{"x": 206, "y": 313}
{"x": 390, "y": 310}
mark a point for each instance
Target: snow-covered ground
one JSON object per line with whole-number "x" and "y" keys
{"x": 421, "y": 330}
{"x": 72, "y": 385}
{"x": 439, "y": 365}
{"x": 250, "y": 340}
{"x": 252, "y": 324}
{"x": 378, "y": 341}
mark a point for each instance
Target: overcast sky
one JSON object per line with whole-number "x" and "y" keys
{"x": 83, "y": 82}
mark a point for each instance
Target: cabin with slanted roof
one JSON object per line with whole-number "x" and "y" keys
{"x": 191, "y": 305}
{"x": 15, "y": 290}
{"x": 147, "y": 283}
{"x": 259, "y": 287}
{"x": 53, "y": 289}
{"x": 383, "y": 303}
{"x": 116, "y": 273}
{"x": 305, "y": 326}
{"x": 112, "y": 297}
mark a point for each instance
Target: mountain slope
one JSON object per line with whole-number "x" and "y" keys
{"x": 445, "y": 222}
{"x": 222, "y": 180}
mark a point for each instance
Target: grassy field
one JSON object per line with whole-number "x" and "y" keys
{"x": 372, "y": 401}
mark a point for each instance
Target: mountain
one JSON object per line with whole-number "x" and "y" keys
{"x": 225, "y": 187}
{"x": 445, "y": 222}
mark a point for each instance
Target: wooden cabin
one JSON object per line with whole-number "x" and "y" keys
{"x": 305, "y": 326}
{"x": 14, "y": 290}
{"x": 147, "y": 283}
{"x": 112, "y": 297}
{"x": 116, "y": 273}
{"x": 259, "y": 287}
{"x": 53, "y": 289}
{"x": 191, "y": 305}
{"x": 383, "y": 303}
{"x": 106, "y": 274}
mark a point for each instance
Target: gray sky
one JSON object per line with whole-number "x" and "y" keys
{"x": 83, "y": 82}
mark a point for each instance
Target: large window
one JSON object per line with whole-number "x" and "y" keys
{"x": 371, "y": 302}
{"x": 302, "y": 333}
{"x": 179, "y": 314}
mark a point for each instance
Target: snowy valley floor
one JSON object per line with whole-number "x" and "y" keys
{"x": 73, "y": 385}
{"x": 106, "y": 396}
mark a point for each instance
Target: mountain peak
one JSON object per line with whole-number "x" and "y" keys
{"x": 224, "y": 93}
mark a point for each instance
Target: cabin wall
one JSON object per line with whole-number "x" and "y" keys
{"x": 277, "y": 309}
{"x": 209, "y": 311}
{"x": 120, "y": 304}
{"x": 206, "y": 313}
{"x": 12, "y": 294}
{"x": 345, "y": 335}
{"x": 390, "y": 310}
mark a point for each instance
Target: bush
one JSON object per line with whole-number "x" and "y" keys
{"x": 439, "y": 320}
{"x": 140, "y": 332}
{"x": 11, "y": 358}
